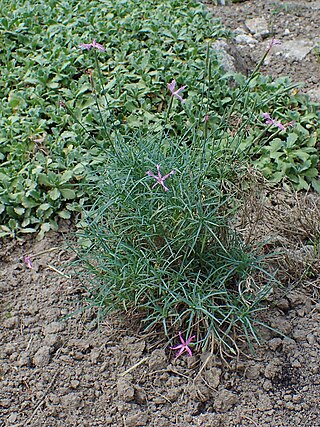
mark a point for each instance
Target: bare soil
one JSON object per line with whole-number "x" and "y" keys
{"x": 295, "y": 23}
{"x": 60, "y": 368}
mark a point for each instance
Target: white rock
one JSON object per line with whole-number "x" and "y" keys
{"x": 258, "y": 27}
{"x": 245, "y": 39}
{"x": 295, "y": 50}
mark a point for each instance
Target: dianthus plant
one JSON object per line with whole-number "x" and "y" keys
{"x": 160, "y": 241}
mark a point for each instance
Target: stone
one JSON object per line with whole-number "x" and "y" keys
{"x": 24, "y": 359}
{"x": 137, "y": 419}
{"x": 230, "y": 57}
{"x": 281, "y": 324}
{"x": 54, "y": 341}
{"x": 311, "y": 339}
{"x": 264, "y": 403}
{"x": 258, "y": 27}
{"x": 267, "y": 385}
{"x": 42, "y": 357}
{"x": 253, "y": 371}
{"x": 314, "y": 96}
{"x": 13, "y": 417}
{"x": 9, "y": 349}
{"x": 225, "y": 401}
{"x": 273, "y": 369}
{"x": 299, "y": 335}
{"x": 294, "y": 50}
{"x": 96, "y": 355}
{"x": 274, "y": 343}
{"x": 283, "y": 304}
{"x": 212, "y": 377}
{"x": 288, "y": 345}
{"x": 74, "y": 384}
{"x": 125, "y": 389}
{"x": 72, "y": 400}
{"x": 245, "y": 39}
{"x": 227, "y": 61}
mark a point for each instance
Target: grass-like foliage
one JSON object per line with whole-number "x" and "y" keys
{"x": 159, "y": 235}
{"x": 169, "y": 250}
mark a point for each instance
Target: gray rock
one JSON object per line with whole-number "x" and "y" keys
{"x": 281, "y": 324}
{"x": 54, "y": 341}
{"x": 158, "y": 360}
{"x": 225, "y": 401}
{"x": 212, "y": 377}
{"x": 42, "y": 357}
{"x": 274, "y": 343}
{"x": 125, "y": 389}
{"x": 72, "y": 400}
{"x": 245, "y": 39}
{"x": 294, "y": 50}
{"x": 273, "y": 369}
{"x": 13, "y": 417}
{"x": 288, "y": 345}
{"x": 283, "y": 304}
{"x": 230, "y": 57}
{"x": 10, "y": 348}
{"x": 253, "y": 371}
{"x": 133, "y": 419}
{"x": 24, "y": 359}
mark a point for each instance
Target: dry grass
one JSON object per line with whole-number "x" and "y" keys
{"x": 289, "y": 225}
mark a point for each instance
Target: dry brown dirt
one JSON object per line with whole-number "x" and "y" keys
{"x": 66, "y": 371}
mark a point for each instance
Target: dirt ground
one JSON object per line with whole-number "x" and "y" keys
{"x": 58, "y": 369}
{"x": 296, "y": 24}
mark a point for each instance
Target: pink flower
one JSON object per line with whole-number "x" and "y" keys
{"x": 94, "y": 44}
{"x": 171, "y": 86}
{"x": 27, "y": 261}
{"x": 271, "y": 121}
{"x": 159, "y": 178}
{"x": 184, "y": 346}
{"x": 274, "y": 42}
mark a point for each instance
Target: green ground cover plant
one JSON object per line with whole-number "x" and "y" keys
{"x": 45, "y": 148}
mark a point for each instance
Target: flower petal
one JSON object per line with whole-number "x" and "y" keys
{"x": 171, "y": 86}
{"x": 86, "y": 46}
{"x": 190, "y": 339}
{"x": 189, "y": 351}
{"x": 179, "y": 97}
{"x": 176, "y": 347}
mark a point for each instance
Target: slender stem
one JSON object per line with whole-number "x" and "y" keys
{"x": 106, "y": 131}
{"x": 169, "y": 109}
{"x": 75, "y": 118}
